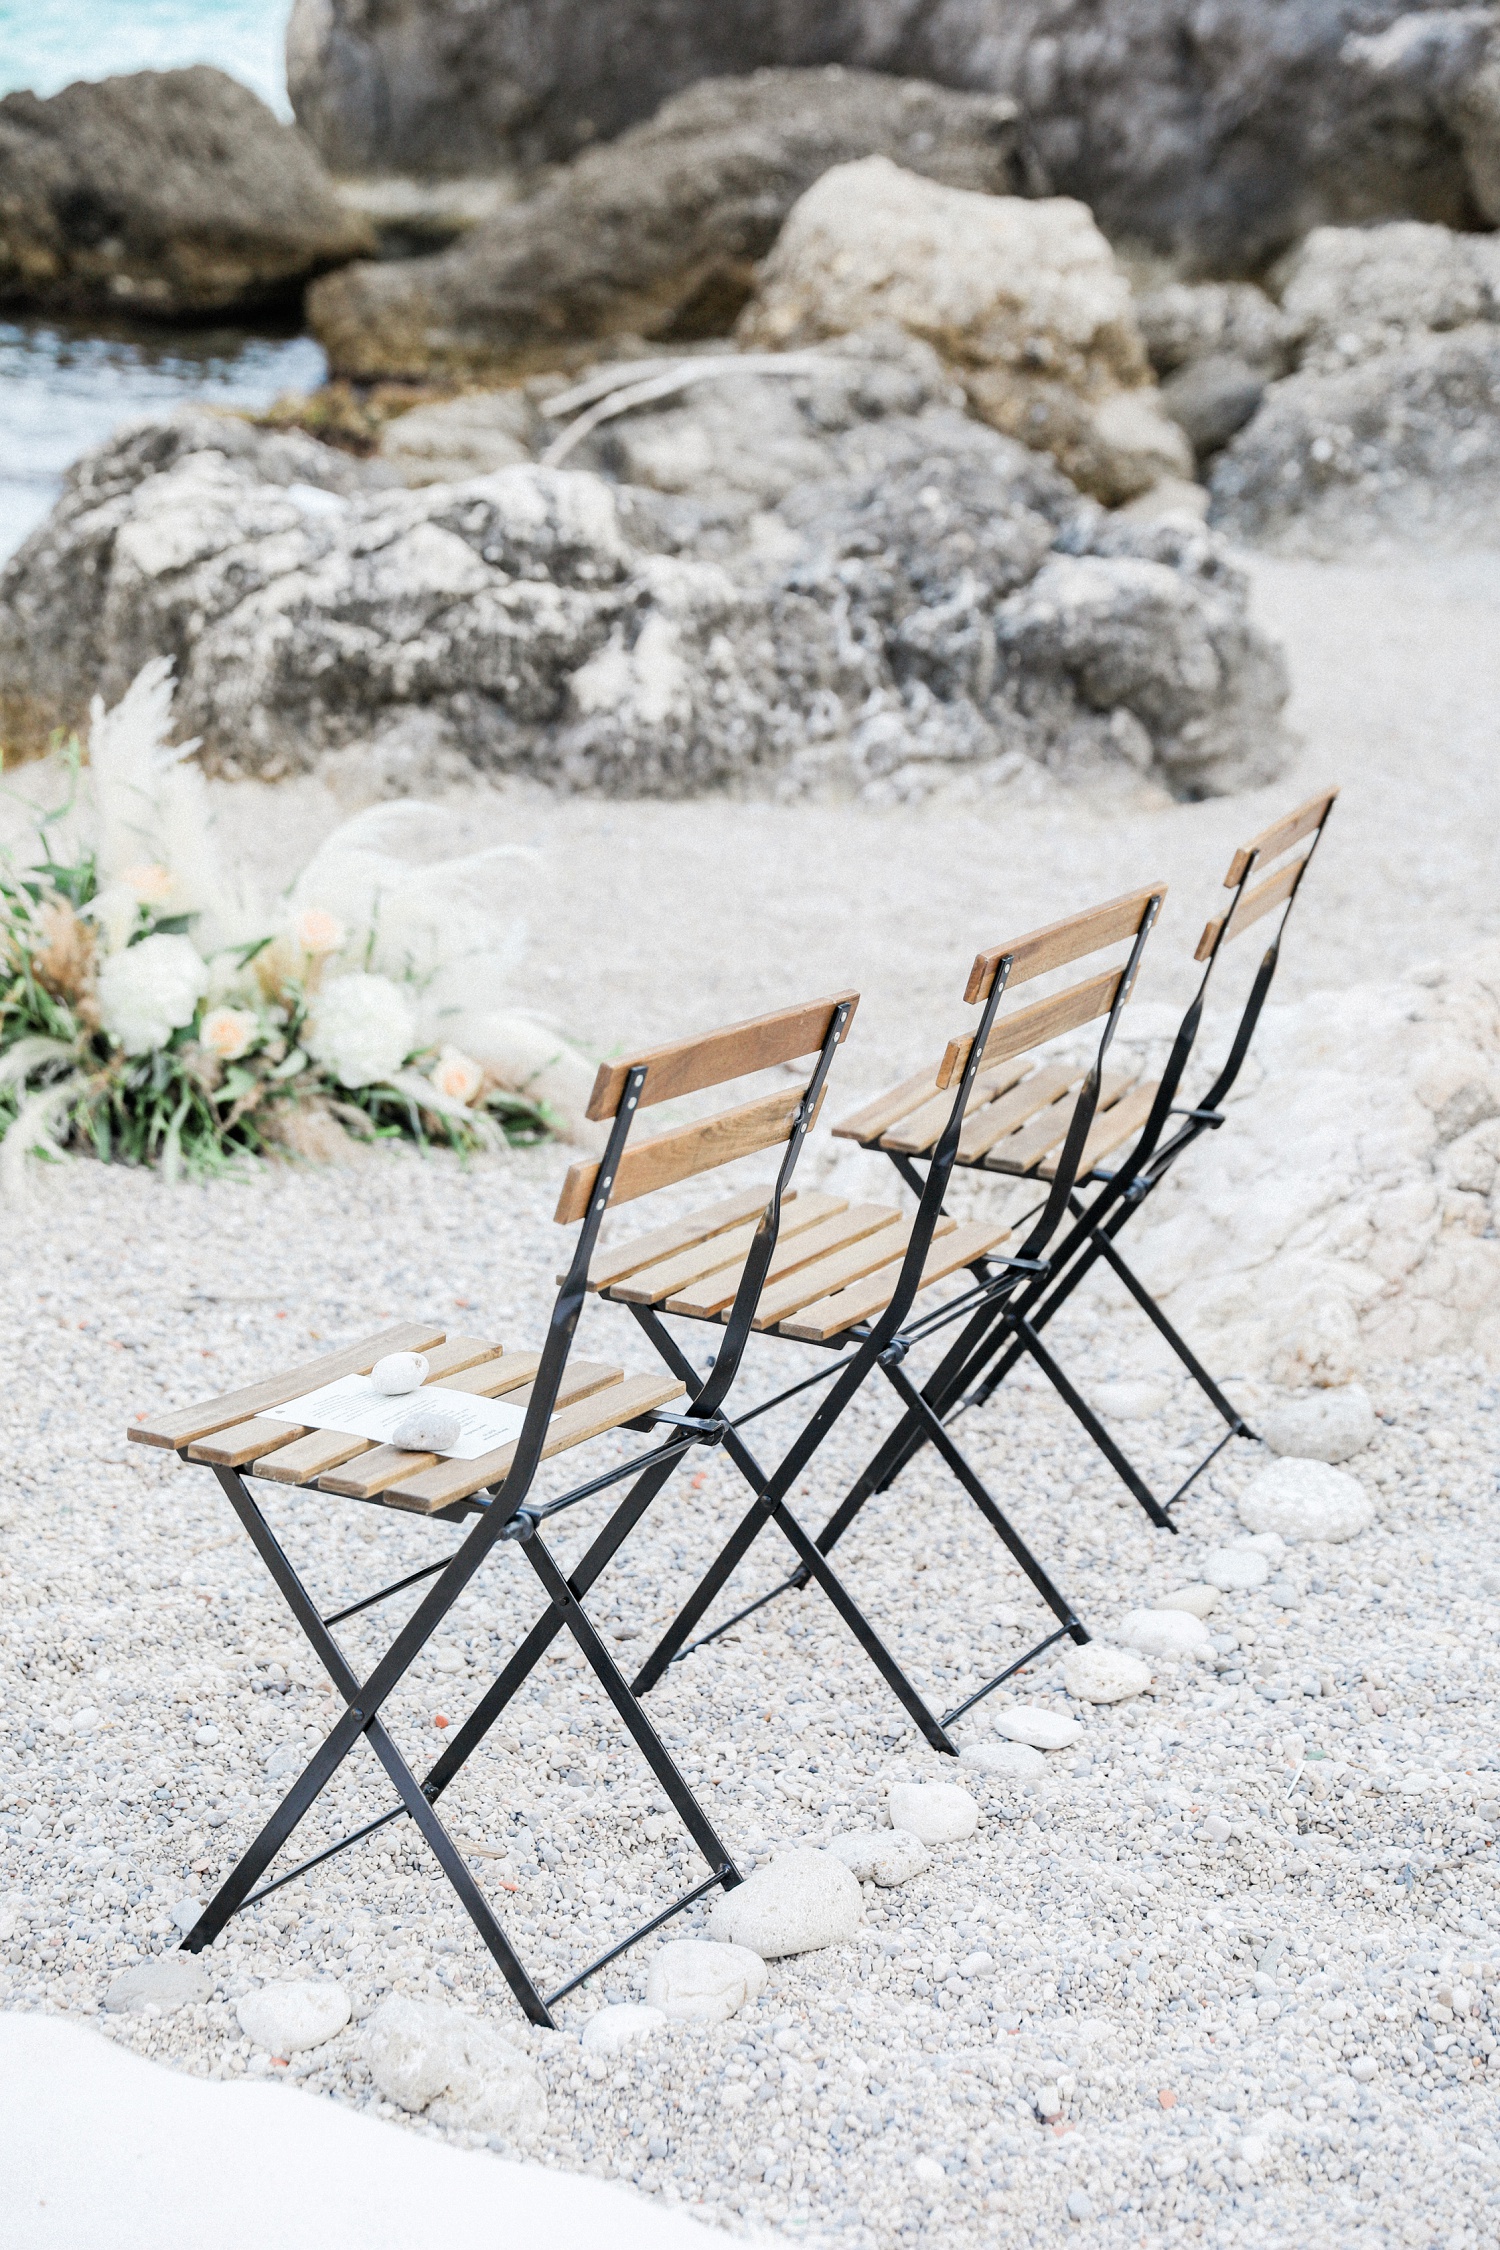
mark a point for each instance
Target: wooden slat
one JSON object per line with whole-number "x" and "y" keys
{"x": 1259, "y": 900}
{"x": 716, "y": 1291}
{"x": 914, "y": 1135}
{"x": 688, "y": 1149}
{"x": 242, "y": 1441}
{"x": 687, "y": 1066}
{"x": 987, "y": 1126}
{"x": 368, "y": 1476}
{"x": 1109, "y": 1131}
{"x": 1280, "y": 836}
{"x": 876, "y": 1117}
{"x": 450, "y": 1481}
{"x": 319, "y": 1451}
{"x": 1061, "y": 942}
{"x": 623, "y": 1258}
{"x": 653, "y": 1283}
{"x": 1043, "y": 1020}
{"x": 1026, "y": 1148}
{"x": 820, "y": 1281}
{"x": 181, "y": 1425}
{"x": 814, "y": 1324}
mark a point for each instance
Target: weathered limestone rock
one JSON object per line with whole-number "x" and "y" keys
{"x": 656, "y": 234}
{"x": 169, "y": 193}
{"x": 1023, "y": 299}
{"x": 463, "y": 2074}
{"x": 801, "y": 1902}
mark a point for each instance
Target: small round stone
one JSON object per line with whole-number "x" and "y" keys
{"x": 801, "y": 1902}
{"x": 936, "y": 1812}
{"x": 1044, "y": 1730}
{"x": 399, "y": 1372}
{"x": 1007, "y": 1761}
{"x": 1166, "y": 1633}
{"x": 1325, "y": 1425}
{"x": 173, "y": 1981}
{"x": 693, "y": 1980}
{"x": 1306, "y": 1500}
{"x": 286, "y": 2018}
{"x": 1236, "y": 1570}
{"x": 1096, "y": 1674}
{"x": 614, "y": 2029}
{"x": 884, "y": 1856}
{"x": 1197, "y": 1601}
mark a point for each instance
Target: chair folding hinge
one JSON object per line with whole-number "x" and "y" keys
{"x": 707, "y": 1432}
{"x": 522, "y": 1526}
{"x": 895, "y": 1351}
{"x": 1213, "y": 1117}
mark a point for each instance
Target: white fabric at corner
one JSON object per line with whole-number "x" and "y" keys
{"x": 103, "y": 2151}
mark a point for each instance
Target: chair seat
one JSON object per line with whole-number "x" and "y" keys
{"x": 240, "y": 1431}
{"x": 835, "y": 1263}
{"x": 1017, "y": 1118}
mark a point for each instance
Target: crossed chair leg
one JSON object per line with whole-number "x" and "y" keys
{"x": 364, "y": 1700}
{"x": 770, "y": 1507}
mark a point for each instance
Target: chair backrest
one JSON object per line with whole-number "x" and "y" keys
{"x": 981, "y": 1064}
{"x": 632, "y": 1168}
{"x": 1258, "y": 884}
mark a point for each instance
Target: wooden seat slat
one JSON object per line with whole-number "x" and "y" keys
{"x": 916, "y": 1134}
{"x": 650, "y": 1284}
{"x": 1035, "y": 1092}
{"x": 1110, "y": 1130}
{"x": 181, "y": 1425}
{"x": 819, "y": 1281}
{"x": 685, "y": 1151}
{"x": 1022, "y": 1151}
{"x": 713, "y": 1058}
{"x": 878, "y": 1116}
{"x": 863, "y": 1299}
{"x": 1280, "y": 836}
{"x": 624, "y": 1258}
{"x": 366, "y": 1477}
{"x": 242, "y": 1441}
{"x": 427, "y": 1491}
{"x": 715, "y": 1293}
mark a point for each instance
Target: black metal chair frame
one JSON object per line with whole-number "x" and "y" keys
{"x": 969, "y": 1378}
{"x": 884, "y": 1343}
{"x": 506, "y": 1513}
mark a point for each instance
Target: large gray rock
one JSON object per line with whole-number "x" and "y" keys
{"x": 658, "y": 233}
{"x": 1022, "y": 297}
{"x": 1218, "y": 135}
{"x": 867, "y": 591}
{"x": 174, "y": 194}
{"x": 1404, "y": 446}
{"x": 1351, "y": 293}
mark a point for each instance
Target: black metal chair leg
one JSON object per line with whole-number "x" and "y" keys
{"x": 1124, "y": 1469}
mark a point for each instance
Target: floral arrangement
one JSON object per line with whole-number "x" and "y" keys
{"x": 153, "y": 1010}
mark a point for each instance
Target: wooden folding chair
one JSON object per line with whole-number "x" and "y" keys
{"x": 1264, "y": 874}
{"x": 566, "y": 1402}
{"x": 850, "y": 1280}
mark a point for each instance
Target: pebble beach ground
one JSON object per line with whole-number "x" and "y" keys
{"x": 1225, "y": 1970}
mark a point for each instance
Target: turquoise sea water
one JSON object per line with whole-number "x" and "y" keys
{"x": 62, "y": 390}
{"x": 46, "y": 43}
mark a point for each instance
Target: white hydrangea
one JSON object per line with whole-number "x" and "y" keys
{"x": 151, "y": 990}
{"x": 362, "y": 1029}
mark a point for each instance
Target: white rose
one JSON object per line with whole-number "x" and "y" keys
{"x": 149, "y": 991}
{"x": 362, "y": 1029}
{"x": 227, "y": 1032}
{"x": 457, "y": 1075}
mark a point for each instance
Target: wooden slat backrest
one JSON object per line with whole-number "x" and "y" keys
{"x": 713, "y": 1058}
{"x": 1056, "y": 946}
{"x": 685, "y": 1151}
{"x": 1280, "y": 836}
{"x": 1061, "y": 942}
{"x": 1268, "y": 891}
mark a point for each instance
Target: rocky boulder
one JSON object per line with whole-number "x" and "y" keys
{"x": 875, "y": 593}
{"x": 658, "y": 233}
{"x": 1351, "y": 293}
{"x": 175, "y": 194}
{"x": 1404, "y": 446}
{"x": 1023, "y": 299}
{"x": 1217, "y": 137}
